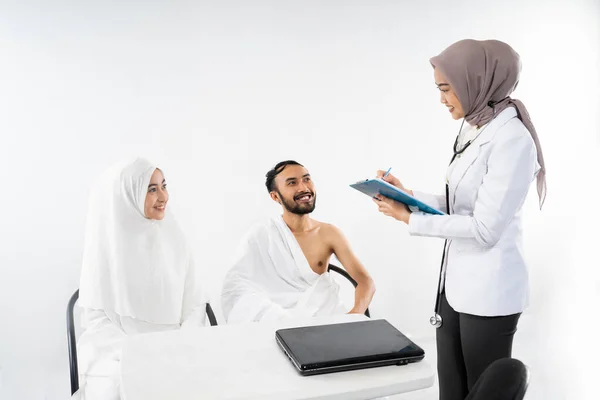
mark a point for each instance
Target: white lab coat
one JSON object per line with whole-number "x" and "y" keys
{"x": 485, "y": 271}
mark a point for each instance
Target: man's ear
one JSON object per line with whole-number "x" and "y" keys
{"x": 275, "y": 196}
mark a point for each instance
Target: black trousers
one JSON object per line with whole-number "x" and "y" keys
{"x": 467, "y": 345}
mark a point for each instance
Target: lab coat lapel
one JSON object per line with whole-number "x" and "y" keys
{"x": 465, "y": 160}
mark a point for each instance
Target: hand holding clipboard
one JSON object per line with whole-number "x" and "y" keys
{"x": 386, "y": 187}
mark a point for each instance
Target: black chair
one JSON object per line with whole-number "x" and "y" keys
{"x": 72, "y": 342}
{"x": 211, "y": 315}
{"x": 346, "y": 275}
{"x": 504, "y": 379}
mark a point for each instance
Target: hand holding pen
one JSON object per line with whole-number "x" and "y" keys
{"x": 391, "y": 179}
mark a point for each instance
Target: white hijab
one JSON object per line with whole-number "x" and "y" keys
{"x": 132, "y": 266}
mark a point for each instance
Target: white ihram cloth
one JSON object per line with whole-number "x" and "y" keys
{"x": 272, "y": 280}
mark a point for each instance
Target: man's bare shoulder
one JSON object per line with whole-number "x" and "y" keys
{"x": 330, "y": 231}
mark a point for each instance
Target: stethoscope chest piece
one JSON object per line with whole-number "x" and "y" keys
{"x": 436, "y": 320}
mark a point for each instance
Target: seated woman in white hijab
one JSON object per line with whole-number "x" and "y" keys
{"x": 137, "y": 276}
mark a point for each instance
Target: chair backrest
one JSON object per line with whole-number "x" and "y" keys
{"x": 504, "y": 379}
{"x": 211, "y": 315}
{"x": 346, "y": 275}
{"x": 72, "y": 343}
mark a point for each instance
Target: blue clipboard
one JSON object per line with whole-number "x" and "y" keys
{"x": 373, "y": 187}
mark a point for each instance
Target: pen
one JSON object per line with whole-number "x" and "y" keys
{"x": 388, "y": 171}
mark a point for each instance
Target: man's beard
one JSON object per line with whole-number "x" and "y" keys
{"x": 299, "y": 208}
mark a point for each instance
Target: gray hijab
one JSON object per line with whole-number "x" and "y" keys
{"x": 483, "y": 74}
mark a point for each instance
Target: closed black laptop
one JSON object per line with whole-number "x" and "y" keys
{"x": 342, "y": 347}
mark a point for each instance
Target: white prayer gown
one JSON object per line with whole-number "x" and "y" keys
{"x": 272, "y": 280}
{"x": 138, "y": 276}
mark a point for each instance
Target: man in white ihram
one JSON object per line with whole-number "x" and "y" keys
{"x": 281, "y": 268}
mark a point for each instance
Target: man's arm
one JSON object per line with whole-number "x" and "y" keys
{"x": 366, "y": 287}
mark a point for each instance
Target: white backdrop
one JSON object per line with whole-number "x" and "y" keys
{"x": 218, "y": 92}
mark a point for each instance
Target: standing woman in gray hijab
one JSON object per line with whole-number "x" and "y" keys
{"x": 483, "y": 285}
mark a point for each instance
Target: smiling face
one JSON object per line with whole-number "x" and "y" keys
{"x": 294, "y": 189}
{"x": 447, "y": 95}
{"x": 156, "y": 197}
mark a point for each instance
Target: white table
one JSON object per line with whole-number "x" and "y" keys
{"x": 245, "y": 362}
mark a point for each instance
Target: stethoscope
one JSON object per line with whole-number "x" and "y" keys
{"x": 436, "y": 318}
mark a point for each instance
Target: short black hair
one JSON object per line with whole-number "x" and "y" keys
{"x": 270, "y": 183}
